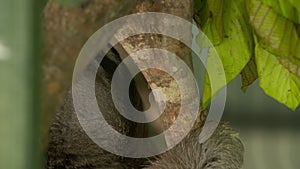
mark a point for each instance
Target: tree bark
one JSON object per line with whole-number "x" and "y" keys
{"x": 156, "y": 79}
{"x": 65, "y": 30}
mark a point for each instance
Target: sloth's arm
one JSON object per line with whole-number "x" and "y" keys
{"x": 223, "y": 150}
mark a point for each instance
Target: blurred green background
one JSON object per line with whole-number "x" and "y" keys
{"x": 19, "y": 83}
{"x": 270, "y": 131}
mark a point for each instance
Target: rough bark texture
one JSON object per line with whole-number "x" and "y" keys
{"x": 157, "y": 79}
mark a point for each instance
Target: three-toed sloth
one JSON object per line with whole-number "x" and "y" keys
{"x": 71, "y": 148}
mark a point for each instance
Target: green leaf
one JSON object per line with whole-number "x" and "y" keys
{"x": 290, "y": 9}
{"x": 210, "y": 18}
{"x": 276, "y": 80}
{"x": 215, "y": 77}
{"x": 278, "y": 34}
{"x": 249, "y": 74}
{"x": 236, "y": 48}
{"x": 290, "y": 66}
